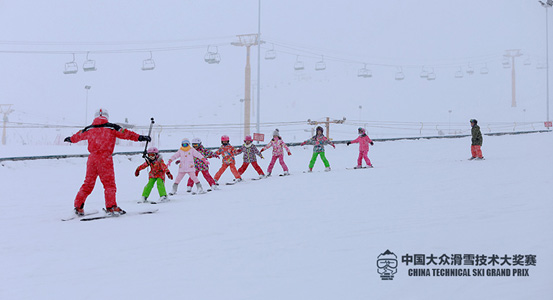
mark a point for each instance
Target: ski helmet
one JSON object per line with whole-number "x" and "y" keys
{"x": 361, "y": 130}
{"x": 248, "y": 138}
{"x": 185, "y": 142}
{"x": 153, "y": 150}
{"x": 474, "y": 121}
{"x": 102, "y": 112}
{"x": 225, "y": 138}
{"x": 196, "y": 141}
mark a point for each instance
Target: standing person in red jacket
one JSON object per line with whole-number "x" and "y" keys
{"x": 364, "y": 140}
{"x": 101, "y": 136}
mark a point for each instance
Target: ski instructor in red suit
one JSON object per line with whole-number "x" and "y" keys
{"x": 101, "y": 136}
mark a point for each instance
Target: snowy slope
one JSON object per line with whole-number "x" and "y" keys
{"x": 306, "y": 236}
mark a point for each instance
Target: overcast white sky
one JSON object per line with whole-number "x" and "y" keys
{"x": 445, "y": 35}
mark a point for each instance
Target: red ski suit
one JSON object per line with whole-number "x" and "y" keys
{"x": 101, "y": 137}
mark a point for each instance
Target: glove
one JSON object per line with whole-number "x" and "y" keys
{"x": 177, "y": 162}
{"x": 333, "y": 146}
{"x": 262, "y": 157}
{"x": 262, "y": 150}
{"x": 302, "y": 144}
{"x": 348, "y": 143}
{"x": 137, "y": 172}
{"x": 289, "y": 153}
{"x": 67, "y": 139}
{"x": 144, "y": 138}
{"x": 372, "y": 143}
{"x": 169, "y": 175}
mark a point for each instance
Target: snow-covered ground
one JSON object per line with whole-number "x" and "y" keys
{"x": 306, "y": 236}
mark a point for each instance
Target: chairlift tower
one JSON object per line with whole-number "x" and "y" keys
{"x": 5, "y": 109}
{"x": 512, "y": 54}
{"x": 546, "y": 5}
{"x": 327, "y": 124}
{"x": 247, "y": 40}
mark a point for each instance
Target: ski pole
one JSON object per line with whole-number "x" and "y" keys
{"x": 149, "y": 133}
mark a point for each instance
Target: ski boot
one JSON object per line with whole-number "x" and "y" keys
{"x": 115, "y": 211}
{"x": 199, "y": 188}
{"x": 163, "y": 198}
{"x": 268, "y": 174}
{"x": 188, "y": 189}
{"x": 214, "y": 187}
{"x": 327, "y": 169}
{"x": 358, "y": 167}
{"x": 286, "y": 173}
{"x": 79, "y": 211}
{"x": 261, "y": 176}
{"x": 174, "y": 191}
{"x": 310, "y": 170}
{"x": 237, "y": 179}
{"x": 144, "y": 199}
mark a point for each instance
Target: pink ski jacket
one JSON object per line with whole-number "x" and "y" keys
{"x": 278, "y": 147}
{"x": 186, "y": 159}
{"x": 363, "y": 141}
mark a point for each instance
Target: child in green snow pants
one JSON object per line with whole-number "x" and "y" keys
{"x": 314, "y": 158}
{"x": 150, "y": 185}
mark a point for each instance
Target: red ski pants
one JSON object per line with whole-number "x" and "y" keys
{"x": 224, "y": 167}
{"x": 255, "y": 166}
{"x": 363, "y": 155}
{"x": 207, "y": 177}
{"x": 272, "y": 163}
{"x": 102, "y": 166}
{"x": 476, "y": 151}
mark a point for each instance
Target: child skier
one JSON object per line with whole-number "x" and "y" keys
{"x": 278, "y": 153}
{"x": 250, "y": 151}
{"x": 158, "y": 169}
{"x": 101, "y": 136}
{"x": 186, "y": 156}
{"x": 476, "y": 146}
{"x": 228, "y": 152}
{"x": 201, "y": 165}
{"x": 364, "y": 142}
{"x": 319, "y": 140}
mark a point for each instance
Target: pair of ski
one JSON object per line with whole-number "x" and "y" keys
{"x": 265, "y": 177}
{"x": 90, "y": 215}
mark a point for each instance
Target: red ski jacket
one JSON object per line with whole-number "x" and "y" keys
{"x": 101, "y": 136}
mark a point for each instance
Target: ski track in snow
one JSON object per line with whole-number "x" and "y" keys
{"x": 305, "y": 236}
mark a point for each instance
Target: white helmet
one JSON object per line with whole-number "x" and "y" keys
{"x": 196, "y": 141}
{"x": 102, "y": 112}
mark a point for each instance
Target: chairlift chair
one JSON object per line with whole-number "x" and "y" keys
{"x": 364, "y": 72}
{"x": 399, "y": 74}
{"x": 424, "y": 73}
{"x": 298, "y": 66}
{"x": 212, "y": 57}
{"x": 270, "y": 54}
{"x": 148, "y": 64}
{"x": 71, "y": 67}
{"x": 89, "y": 64}
{"x": 484, "y": 70}
{"x": 506, "y": 63}
{"x": 459, "y": 73}
{"x": 321, "y": 65}
{"x": 470, "y": 70}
